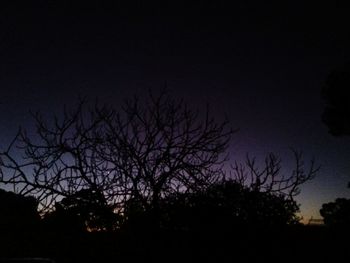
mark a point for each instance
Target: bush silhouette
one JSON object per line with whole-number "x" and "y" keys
{"x": 85, "y": 210}
{"x": 336, "y": 114}
{"x": 225, "y": 204}
{"x": 18, "y": 213}
{"x": 337, "y": 213}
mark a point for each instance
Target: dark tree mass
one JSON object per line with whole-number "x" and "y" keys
{"x": 84, "y": 210}
{"x": 226, "y": 205}
{"x": 337, "y": 213}
{"x": 18, "y": 213}
{"x": 337, "y": 97}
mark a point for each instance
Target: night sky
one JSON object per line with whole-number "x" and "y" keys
{"x": 263, "y": 66}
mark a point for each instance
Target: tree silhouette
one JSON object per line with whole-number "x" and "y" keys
{"x": 255, "y": 195}
{"x": 336, "y": 94}
{"x": 162, "y": 147}
{"x": 18, "y": 213}
{"x": 99, "y": 168}
{"x": 145, "y": 151}
{"x": 337, "y": 213}
{"x": 84, "y": 210}
{"x": 269, "y": 177}
{"x": 337, "y": 111}
{"x": 225, "y": 205}
{"x": 61, "y": 159}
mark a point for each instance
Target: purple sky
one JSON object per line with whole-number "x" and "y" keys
{"x": 261, "y": 65}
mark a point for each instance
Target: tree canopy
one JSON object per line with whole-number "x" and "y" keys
{"x": 84, "y": 210}
{"x": 18, "y": 213}
{"x": 337, "y": 213}
{"x": 336, "y": 114}
{"x": 228, "y": 204}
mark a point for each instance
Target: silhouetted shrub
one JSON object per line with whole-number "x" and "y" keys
{"x": 18, "y": 213}
{"x": 227, "y": 204}
{"x": 336, "y": 114}
{"x": 336, "y": 213}
{"x": 231, "y": 203}
{"x": 85, "y": 210}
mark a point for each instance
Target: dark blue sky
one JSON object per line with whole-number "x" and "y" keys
{"x": 262, "y": 65}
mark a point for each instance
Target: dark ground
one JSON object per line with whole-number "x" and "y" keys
{"x": 293, "y": 244}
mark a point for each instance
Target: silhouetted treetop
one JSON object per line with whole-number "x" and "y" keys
{"x": 337, "y": 213}
{"x": 336, "y": 94}
{"x": 18, "y": 212}
{"x": 84, "y": 210}
{"x": 223, "y": 205}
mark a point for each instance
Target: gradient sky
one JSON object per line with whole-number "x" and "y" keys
{"x": 261, "y": 65}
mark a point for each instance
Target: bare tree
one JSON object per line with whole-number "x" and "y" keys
{"x": 269, "y": 177}
{"x": 161, "y": 147}
{"x": 144, "y": 152}
{"x": 148, "y": 151}
{"x": 61, "y": 158}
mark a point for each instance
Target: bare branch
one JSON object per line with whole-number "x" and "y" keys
{"x": 270, "y": 178}
{"x": 147, "y": 151}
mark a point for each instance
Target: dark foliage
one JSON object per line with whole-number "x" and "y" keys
{"x": 337, "y": 97}
{"x": 230, "y": 203}
{"x": 18, "y": 213}
{"x": 337, "y": 213}
{"x": 85, "y": 210}
{"x": 224, "y": 205}
{"x": 255, "y": 196}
